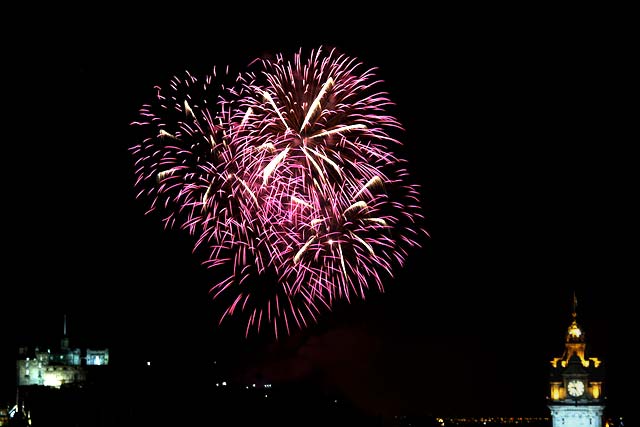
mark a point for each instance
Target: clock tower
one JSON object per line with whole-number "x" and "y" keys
{"x": 575, "y": 387}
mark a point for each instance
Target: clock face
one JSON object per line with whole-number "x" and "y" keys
{"x": 575, "y": 388}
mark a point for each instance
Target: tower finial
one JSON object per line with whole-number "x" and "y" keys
{"x": 575, "y": 304}
{"x": 64, "y": 328}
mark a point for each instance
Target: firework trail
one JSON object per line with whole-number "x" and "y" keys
{"x": 288, "y": 169}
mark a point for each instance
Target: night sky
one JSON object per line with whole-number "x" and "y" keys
{"x": 515, "y": 129}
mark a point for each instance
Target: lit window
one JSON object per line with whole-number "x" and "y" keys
{"x": 574, "y": 330}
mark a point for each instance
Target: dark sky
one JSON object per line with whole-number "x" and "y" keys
{"x": 515, "y": 128}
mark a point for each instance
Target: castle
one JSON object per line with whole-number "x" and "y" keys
{"x": 65, "y": 365}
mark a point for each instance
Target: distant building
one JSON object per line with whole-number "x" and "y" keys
{"x": 15, "y": 416}
{"x": 53, "y": 368}
{"x": 576, "y": 396}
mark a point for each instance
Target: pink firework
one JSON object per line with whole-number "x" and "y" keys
{"x": 288, "y": 171}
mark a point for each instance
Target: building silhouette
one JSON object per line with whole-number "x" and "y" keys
{"x": 56, "y": 367}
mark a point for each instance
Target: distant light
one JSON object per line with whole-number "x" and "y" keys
{"x": 148, "y": 363}
{"x": 265, "y": 395}
{"x": 247, "y": 387}
{"x": 224, "y": 383}
{"x": 253, "y": 385}
{"x": 217, "y": 384}
{"x": 52, "y": 380}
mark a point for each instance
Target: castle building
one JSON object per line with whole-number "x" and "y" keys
{"x": 65, "y": 365}
{"x": 576, "y": 397}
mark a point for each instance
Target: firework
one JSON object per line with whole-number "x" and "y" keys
{"x": 288, "y": 171}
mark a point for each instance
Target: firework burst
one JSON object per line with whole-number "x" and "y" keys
{"x": 288, "y": 170}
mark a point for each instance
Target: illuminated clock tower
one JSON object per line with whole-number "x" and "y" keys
{"x": 576, "y": 397}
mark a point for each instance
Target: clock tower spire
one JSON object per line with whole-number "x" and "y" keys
{"x": 576, "y": 398}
